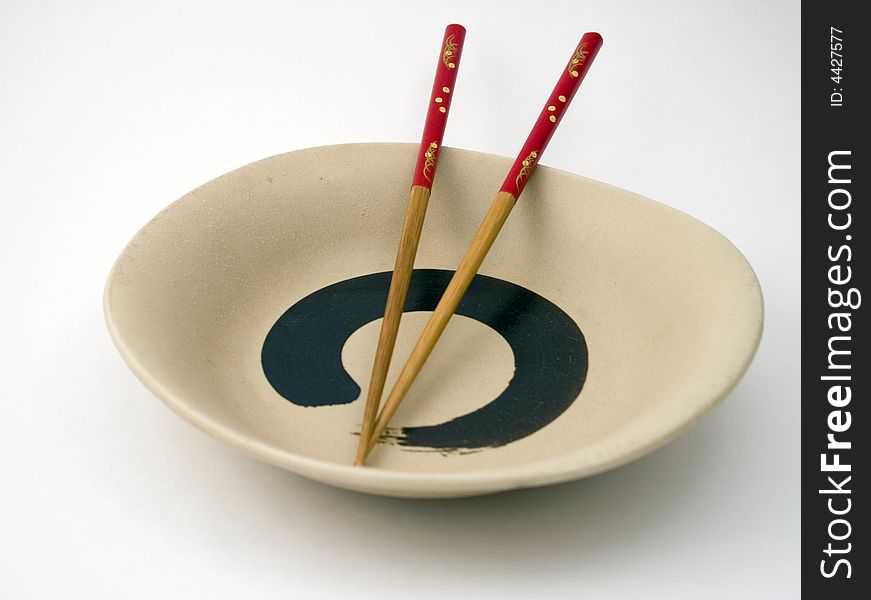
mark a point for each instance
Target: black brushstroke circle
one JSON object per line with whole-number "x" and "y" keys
{"x": 302, "y": 353}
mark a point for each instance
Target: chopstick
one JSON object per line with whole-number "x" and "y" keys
{"x": 517, "y": 178}
{"x": 418, "y": 198}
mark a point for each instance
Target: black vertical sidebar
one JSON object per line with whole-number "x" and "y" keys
{"x": 835, "y": 369}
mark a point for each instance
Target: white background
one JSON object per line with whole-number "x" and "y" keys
{"x": 111, "y": 110}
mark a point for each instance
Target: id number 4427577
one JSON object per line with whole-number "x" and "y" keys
{"x": 836, "y": 58}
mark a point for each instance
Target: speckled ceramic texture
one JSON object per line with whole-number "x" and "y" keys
{"x": 671, "y": 313}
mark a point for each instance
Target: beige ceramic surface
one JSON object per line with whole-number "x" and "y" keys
{"x": 670, "y": 310}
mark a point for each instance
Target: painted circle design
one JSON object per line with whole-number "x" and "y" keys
{"x": 302, "y": 354}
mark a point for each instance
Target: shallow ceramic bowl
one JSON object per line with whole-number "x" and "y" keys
{"x": 603, "y": 324}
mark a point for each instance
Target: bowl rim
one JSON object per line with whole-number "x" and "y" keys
{"x": 596, "y": 457}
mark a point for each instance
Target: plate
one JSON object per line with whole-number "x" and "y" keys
{"x": 602, "y": 324}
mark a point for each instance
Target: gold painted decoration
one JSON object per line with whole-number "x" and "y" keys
{"x": 429, "y": 162}
{"x": 578, "y": 59}
{"x": 449, "y": 52}
{"x": 526, "y": 170}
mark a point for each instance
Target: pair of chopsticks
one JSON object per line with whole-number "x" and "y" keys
{"x": 517, "y": 178}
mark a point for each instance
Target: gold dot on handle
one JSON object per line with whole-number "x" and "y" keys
{"x": 562, "y": 98}
{"x": 551, "y": 108}
{"x": 446, "y": 90}
{"x": 451, "y": 65}
{"x": 439, "y": 100}
{"x": 442, "y": 109}
{"x": 552, "y": 119}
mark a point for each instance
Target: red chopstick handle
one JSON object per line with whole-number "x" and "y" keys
{"x": 559, "y": 100}
{"x": 439, "y": 105}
